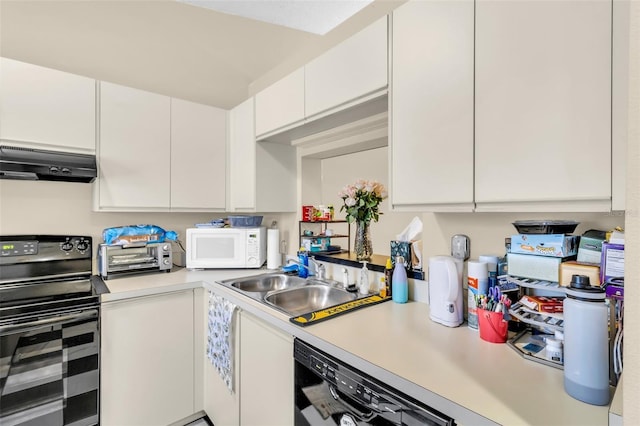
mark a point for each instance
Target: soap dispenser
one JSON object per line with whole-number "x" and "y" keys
{"x": 363, "y": 287}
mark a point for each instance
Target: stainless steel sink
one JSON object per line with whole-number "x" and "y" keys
{"x": 289, "y": 293}
{"x": 309, "y": 298}
{"x": 268, "y": 282}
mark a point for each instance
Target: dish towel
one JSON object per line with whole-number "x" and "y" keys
{"x": 220, "y": 337}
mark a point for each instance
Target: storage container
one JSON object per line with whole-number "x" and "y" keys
{"x": 245, "y": 221}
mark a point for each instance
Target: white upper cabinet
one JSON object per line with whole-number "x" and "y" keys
{"x": 353, "y": 69}
{"x": 262, "y": 175}
{"x": 134, "y": 149}
{"x": 543, "y": 105}
{"x": 619, "y": 102}
{"x": 45, "y": 108}
{"x": 431, "y": 145}
{"x": 241, "y": 192}
{"x": 198, "y": 156}
{"x": 281, "y": 104}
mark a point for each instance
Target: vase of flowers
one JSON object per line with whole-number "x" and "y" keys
{"x": 361, "y": 201}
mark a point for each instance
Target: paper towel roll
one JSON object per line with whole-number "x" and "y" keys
{"x": 274, "y": 259}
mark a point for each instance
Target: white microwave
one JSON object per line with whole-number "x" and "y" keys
{"x": 226, "y": 247}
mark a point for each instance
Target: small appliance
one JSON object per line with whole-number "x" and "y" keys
{"x": 118, "y": 260}
{"x": 218, "y": 248}
{"x": 445, "y": 290}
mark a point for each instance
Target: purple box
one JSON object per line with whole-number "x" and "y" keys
{"x": 615, "y": 292}
{"x": 612, "y": 261}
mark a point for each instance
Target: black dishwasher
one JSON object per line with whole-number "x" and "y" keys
{"x": 328, "y": 392}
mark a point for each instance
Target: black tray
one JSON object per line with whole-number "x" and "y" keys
{"x": 545, "y": 226}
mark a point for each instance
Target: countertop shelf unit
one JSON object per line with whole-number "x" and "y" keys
{"x": 324, "y": 225}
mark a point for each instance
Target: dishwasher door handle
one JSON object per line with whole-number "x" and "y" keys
{"x": 365, "y": 417}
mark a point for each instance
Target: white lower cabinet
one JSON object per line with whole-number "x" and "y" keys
{"x": 266, "y": 374}
{"x": 147, "y": 360}
{"x": 262, "y": 376}
{"x": 221, "y": 405}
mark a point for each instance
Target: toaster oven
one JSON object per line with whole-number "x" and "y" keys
{"x": 118, "y": 260}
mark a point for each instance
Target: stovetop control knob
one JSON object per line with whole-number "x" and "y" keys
{"x": 67, "y": 246}
{"x": 82, "y": 245}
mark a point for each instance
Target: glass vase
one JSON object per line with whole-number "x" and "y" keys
{"x": 363, "y": 246}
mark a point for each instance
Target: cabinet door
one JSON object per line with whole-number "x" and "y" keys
{"x": 221, "y": 405}
{"x": 620, "y": 102}
{"x": 198, "y": 156}
{"x": 432, "y": 106}
{"x": 266, "y": 374}
{"x": 133, "y": 149}
{"x": 242, "y": 158}
{"x": 543, "y": 105}
{"x": 354, "y": 68}
{"x": 147, "y": 360}
{"x": 280, "y": 104}
{"x": 46, "y": 108}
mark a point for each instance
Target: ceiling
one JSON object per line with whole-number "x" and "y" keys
{"x": 165, "y": 46}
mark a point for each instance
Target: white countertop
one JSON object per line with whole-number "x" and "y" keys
{"x": 449, "y": 369}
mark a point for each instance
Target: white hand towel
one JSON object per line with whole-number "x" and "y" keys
{"x": 220, "y": 337}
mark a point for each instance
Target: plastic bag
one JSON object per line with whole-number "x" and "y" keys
{"x": 137, "y": 234}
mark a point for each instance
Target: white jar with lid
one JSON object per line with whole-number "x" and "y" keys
{"x": 554, "y": 349}
{"x": 586, "y": 349}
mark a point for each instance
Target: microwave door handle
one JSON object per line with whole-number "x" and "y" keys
{"x": 365, "y": 417}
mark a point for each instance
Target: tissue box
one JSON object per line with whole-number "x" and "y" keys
{"x": 590, "y": 249}
{"x": 552, "y": 245}
{"x": 401, "y": 248}
{"x": 319, "y": 244}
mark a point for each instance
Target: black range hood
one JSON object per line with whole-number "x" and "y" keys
{"x": 38, "y": 164}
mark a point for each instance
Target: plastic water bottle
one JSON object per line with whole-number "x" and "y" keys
{"x": 303, "y": 259}
{"x": 586, "y": 349}
{"x": 400, "y": 290}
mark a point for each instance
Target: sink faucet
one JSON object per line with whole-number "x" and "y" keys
{"x": 320, "y": 269}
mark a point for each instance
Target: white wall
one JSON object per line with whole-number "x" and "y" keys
{"x": 28, "y": 207}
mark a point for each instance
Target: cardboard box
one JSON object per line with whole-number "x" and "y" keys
{"x": 572, "y": 267}
{"x": 612, "y": 265}
{"x": 590, "y": 247}
{"x": 401, "y": 248}
{"x": 543, "y": 303}
{"x": 537, "y": 267}
{"x": 551, "y": 245}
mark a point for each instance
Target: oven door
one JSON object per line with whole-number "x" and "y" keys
{"x": 49, "y": 372}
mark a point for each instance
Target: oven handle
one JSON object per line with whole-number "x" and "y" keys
{"x": 93, "y": 313}
{"x": 365, "y": 417}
